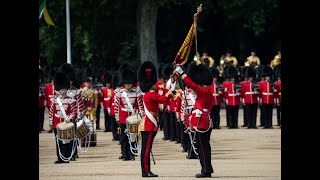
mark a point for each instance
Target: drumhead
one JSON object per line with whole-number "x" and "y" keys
{"x": 64, "y": 125}
{"x": 133, "y": 119}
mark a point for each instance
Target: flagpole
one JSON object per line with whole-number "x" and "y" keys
{"x": 68, "y": 33}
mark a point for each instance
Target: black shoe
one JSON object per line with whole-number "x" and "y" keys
{"x": 50, "y": 131}
{"x": 60, "y": 162}
{"x": 76, "y": 156}
{"x": 203, "y": 175}
{"x": 165, "y": 139}
{"x": 149, "y": 174}
{"x": 128, "y": 159}
{"x": 73, "y": 159}
{"x": 177, "y": 142}
{"x": 121, "y": 157}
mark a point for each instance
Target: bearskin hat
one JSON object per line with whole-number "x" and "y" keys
{"x": 147, "y": 76}
{"x": 52, "y": 73}
{"x": 115, "y": 80}
{"x": 127, "y": 74}
{"x": 243, "y": 72}
{"x": 215, "y": 72}
{"x": 167, "y": 71}
{"x": 61, "y": 81}
{"x": 250, "y": 72}
{"x": 266, "y": 71}
{"x": 107, "y": 77}
{"x": 69, "y": 70}
{"x": 277, "y": 71}
{"x": 232, "y": 72}
{"x": 199, "y": 74}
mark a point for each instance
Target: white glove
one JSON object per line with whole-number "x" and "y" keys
{"x": 50, "y": 123}
{"x": 173, "y": 86}
{"x": 68, "y": 119}
{"x": 179, "y": 70}
{"x": 109, "y": 111}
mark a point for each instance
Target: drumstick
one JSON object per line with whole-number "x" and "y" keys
{"x": 154, "y": 162}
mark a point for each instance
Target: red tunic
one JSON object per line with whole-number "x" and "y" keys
{"x": 232, "y": 97}
{"x": 107, "y": 97}
{"x": 151, "y": 100}
{"x": 266, "y": 93}
{"x": 278, "y": 92}
{"x": 203, "y": 103}
{"x": 49, "y": 93}
{"x": 70, "y": 107}
{"x": 216, "y": 94}
{"x": 248, "y": 94}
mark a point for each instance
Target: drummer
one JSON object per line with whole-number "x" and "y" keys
{"x": 61, "y": 85}
{"x": 128, "y": 101}
{"x": 147, "y": 77}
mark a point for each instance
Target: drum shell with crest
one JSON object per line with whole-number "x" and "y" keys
{"x": 132, "y": 123}
{"x": 65, "y": 131}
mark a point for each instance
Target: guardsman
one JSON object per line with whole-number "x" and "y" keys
{"x": 63, "y": 109}
{"x": 107, "y": 97}
{"x": 266, "y": 96}
{"x": 217, "y": 91}
{"x": 232, "y": 96}
{"x": 114, "y": 124}
{"x": 166, "y": 72}
{"x": 206, "y": 57}
{"x": 249, "y": 94}
{"x": 147, "y": 77}
{"x": 128, "y": 102}
{"x": 253, "y": 59}
{"x": 199, "y": 79}
{"x": 244, "y": 79}
{"x": 42, "y": 100}
{"x": 75, "y": 93}
{"x": 49, "y": 90}
{"x": 277, "y": 71}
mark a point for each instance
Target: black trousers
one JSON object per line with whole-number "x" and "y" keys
{"x": 41, "y": 118}
{"x": 76, "y": 144}
{"x": 279, "y": 115}
{"x": 98, "y": 116}
{"x": 252, "y": 114}
{"x": 227, "y": 116}
{"x": 160, "y": 113}
{"x": 204, "y": 151}
{"x": 114, "y": 127}
{"x": 173, "y": 120}
{"x": 181, "y": 133}
{"x": 124, "y": 141}
{"x": 215, "y": 116}
{"x": 261, "y": 116}
{"x": 233, "y": 116}
{"x": 65, "y": 149}
{"x": 107, "y": 121}
{"x": 267, "y": 112}
{"x": 147, "y": 140}
{"x": 166, "y": 125}
{"x": 245, "y": 119}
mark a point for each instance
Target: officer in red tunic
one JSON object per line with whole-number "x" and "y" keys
{"x": 147, "y": 78}
{"x": 266, "y": 96}
{"x": 128, "y": 102}
{"x": 42, "y": 99}
{"x": 62, "y": 84}
{"x": 244, "y": 79}
{"x": 232, "y": 95}
{"x": 249, "y": 94}
{"x": 49, "y": 90}
{"x": 107, "y": 94}
{"x": 277, "y": 84}
{"x": 217, "y": 91}
{"x": 199, "y": 79}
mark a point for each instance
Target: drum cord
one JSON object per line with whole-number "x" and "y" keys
{"x": 86, "y": 143}
{"x": 136, "y": 147}
{"x": 72, "y": 151}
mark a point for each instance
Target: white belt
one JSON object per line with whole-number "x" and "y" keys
{"x": 232, "y": 94}
{"x": 126, "y": 110}
{"x": 204, "y": 110}
{"x": 264, "y": 93}
{"x": 50, "y": 95}
{"x": 215, "y": 94}
{"x": 250, "y": 93}
{"x": 59, "y": 116}
{"x": 106, "y": 99}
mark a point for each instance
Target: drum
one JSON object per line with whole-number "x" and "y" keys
{"x": 132, "y": 124}
{"x": 82, "y": 129}
{"x": 65, "y": 131}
